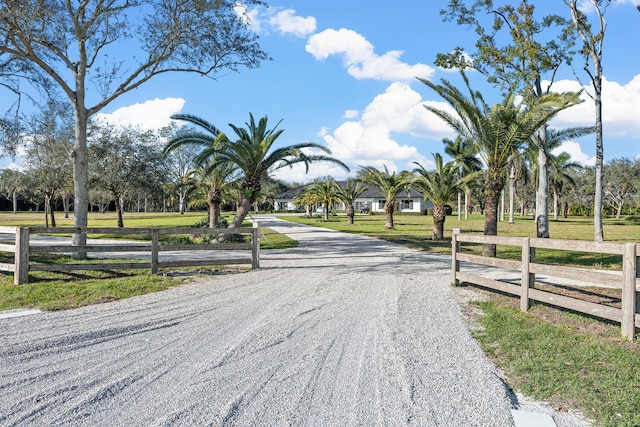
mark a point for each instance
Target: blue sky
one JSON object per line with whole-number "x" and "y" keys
{"x": 343, "y": 74}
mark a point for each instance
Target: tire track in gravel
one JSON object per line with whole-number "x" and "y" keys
{"x": 342, "y": 330}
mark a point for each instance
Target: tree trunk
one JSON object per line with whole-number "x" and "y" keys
{"x": 119, "y": 208}
{"x": 466, "y": 204}
{"x": 244, "y": 207}
{"x": 80, "y": 172}
{"x": 542, "y": 205}
{"x": 555, "y": 205}
{"x": 459, "y": 205}
{"x": 212, "y": 221}
{"x": 512, "y": 192}
{"x": 181, "y": 199}
{"x": 14, "y": 198}
{"x": 52, "y": 209}
{"x": 350, "y": 212}
{"x": 439, "y": 217}
{"x": 46, "y": 211}
{"x": 65, "y": 204}
{"x": 493, "y": 189}
{"x": 326, "y": 211}
{"x": 388, "y": 211}
{"x": 598, "y": 233}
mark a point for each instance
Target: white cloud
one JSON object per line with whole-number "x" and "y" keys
{"x": 620, "y": 112}
{"x": 369, "y": 141}
{"x": 149, "y": 115}
{"x": 575, "y": 151}
{"x": 350, "y": 114}
{"x": 360, "y": 59}
{"x": 286, "y": 22}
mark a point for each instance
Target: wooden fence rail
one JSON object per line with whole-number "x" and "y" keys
{"x": 628, "y": 315}
{"x": 22, "y": 249}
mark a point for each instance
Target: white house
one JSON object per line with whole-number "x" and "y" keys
{"x": 373, "y": 199}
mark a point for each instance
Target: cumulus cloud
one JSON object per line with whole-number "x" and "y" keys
{"x": 350, "y": 114}
{"x": 360, "y": 59}
{"x": 575, "y": 151}
{"x": 620, "y": 112}
{"x": 370, "y": 141}
{"x": 287, "y": 22}
{"x": 149, "y": 115}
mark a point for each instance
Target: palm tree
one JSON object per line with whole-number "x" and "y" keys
{"x": 253, "y": 153}
{"x": 554, "y": 138}
{"x": 560, "y": 165}
{"x": 212, "y": 184}
{"x": 323, "y": 193}
{"x": 440, "y": 186}
{"x": 497, "y": 131}
{"x": 464, "y": 153}
{"x": 348, "y": 194}
{"x": 390, "y": 185}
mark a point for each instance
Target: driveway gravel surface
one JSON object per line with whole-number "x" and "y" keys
{"x": 341, "y": 331}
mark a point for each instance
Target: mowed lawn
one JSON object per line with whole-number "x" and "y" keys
{"x": 416, "y": 231}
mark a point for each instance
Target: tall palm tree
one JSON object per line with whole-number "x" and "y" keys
{"x": 440, "y": 186}
{"x": 465, "y": 154}
{"x": 253, "y": 153}
{"x": 498, "y": 131}
{"x": 389, "y": 184}
{"x": 348, "y": 194}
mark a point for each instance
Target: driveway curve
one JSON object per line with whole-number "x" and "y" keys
{"x": 343, "y": 330}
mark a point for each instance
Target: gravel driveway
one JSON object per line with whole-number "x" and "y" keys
{"x": 341, "y": 331}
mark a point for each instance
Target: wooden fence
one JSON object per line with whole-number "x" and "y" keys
{"x": 626, "y": 280}
{"x": 22, "y": 249}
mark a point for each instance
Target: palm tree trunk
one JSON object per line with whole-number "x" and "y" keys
{"x": 439, "y": 218}
{"x": 388, "y": 210}
{"x": 350, "y": 212}
{"x": 493, "y": 190}
{"x": 459, "y": 205}
{"x": 212, "y": 221}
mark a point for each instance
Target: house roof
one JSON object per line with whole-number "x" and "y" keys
{"x": 369, "y": 193}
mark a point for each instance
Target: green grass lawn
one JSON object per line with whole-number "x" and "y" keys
{"x": 415, "y": 231}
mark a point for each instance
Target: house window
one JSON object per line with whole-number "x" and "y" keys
{"x": 406, "y": 205}
{"x": 283, "y": 206}
{"x": 381, "y": 204}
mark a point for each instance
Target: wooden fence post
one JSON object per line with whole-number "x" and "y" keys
{"x": 154, "y": 251}
{"x": 455, "y": 264}
{"x": 255, "y": 246}
{"x": 629, "y": 265}
{"x": 21, "y": 260}
{"x": 527, "y": 279}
